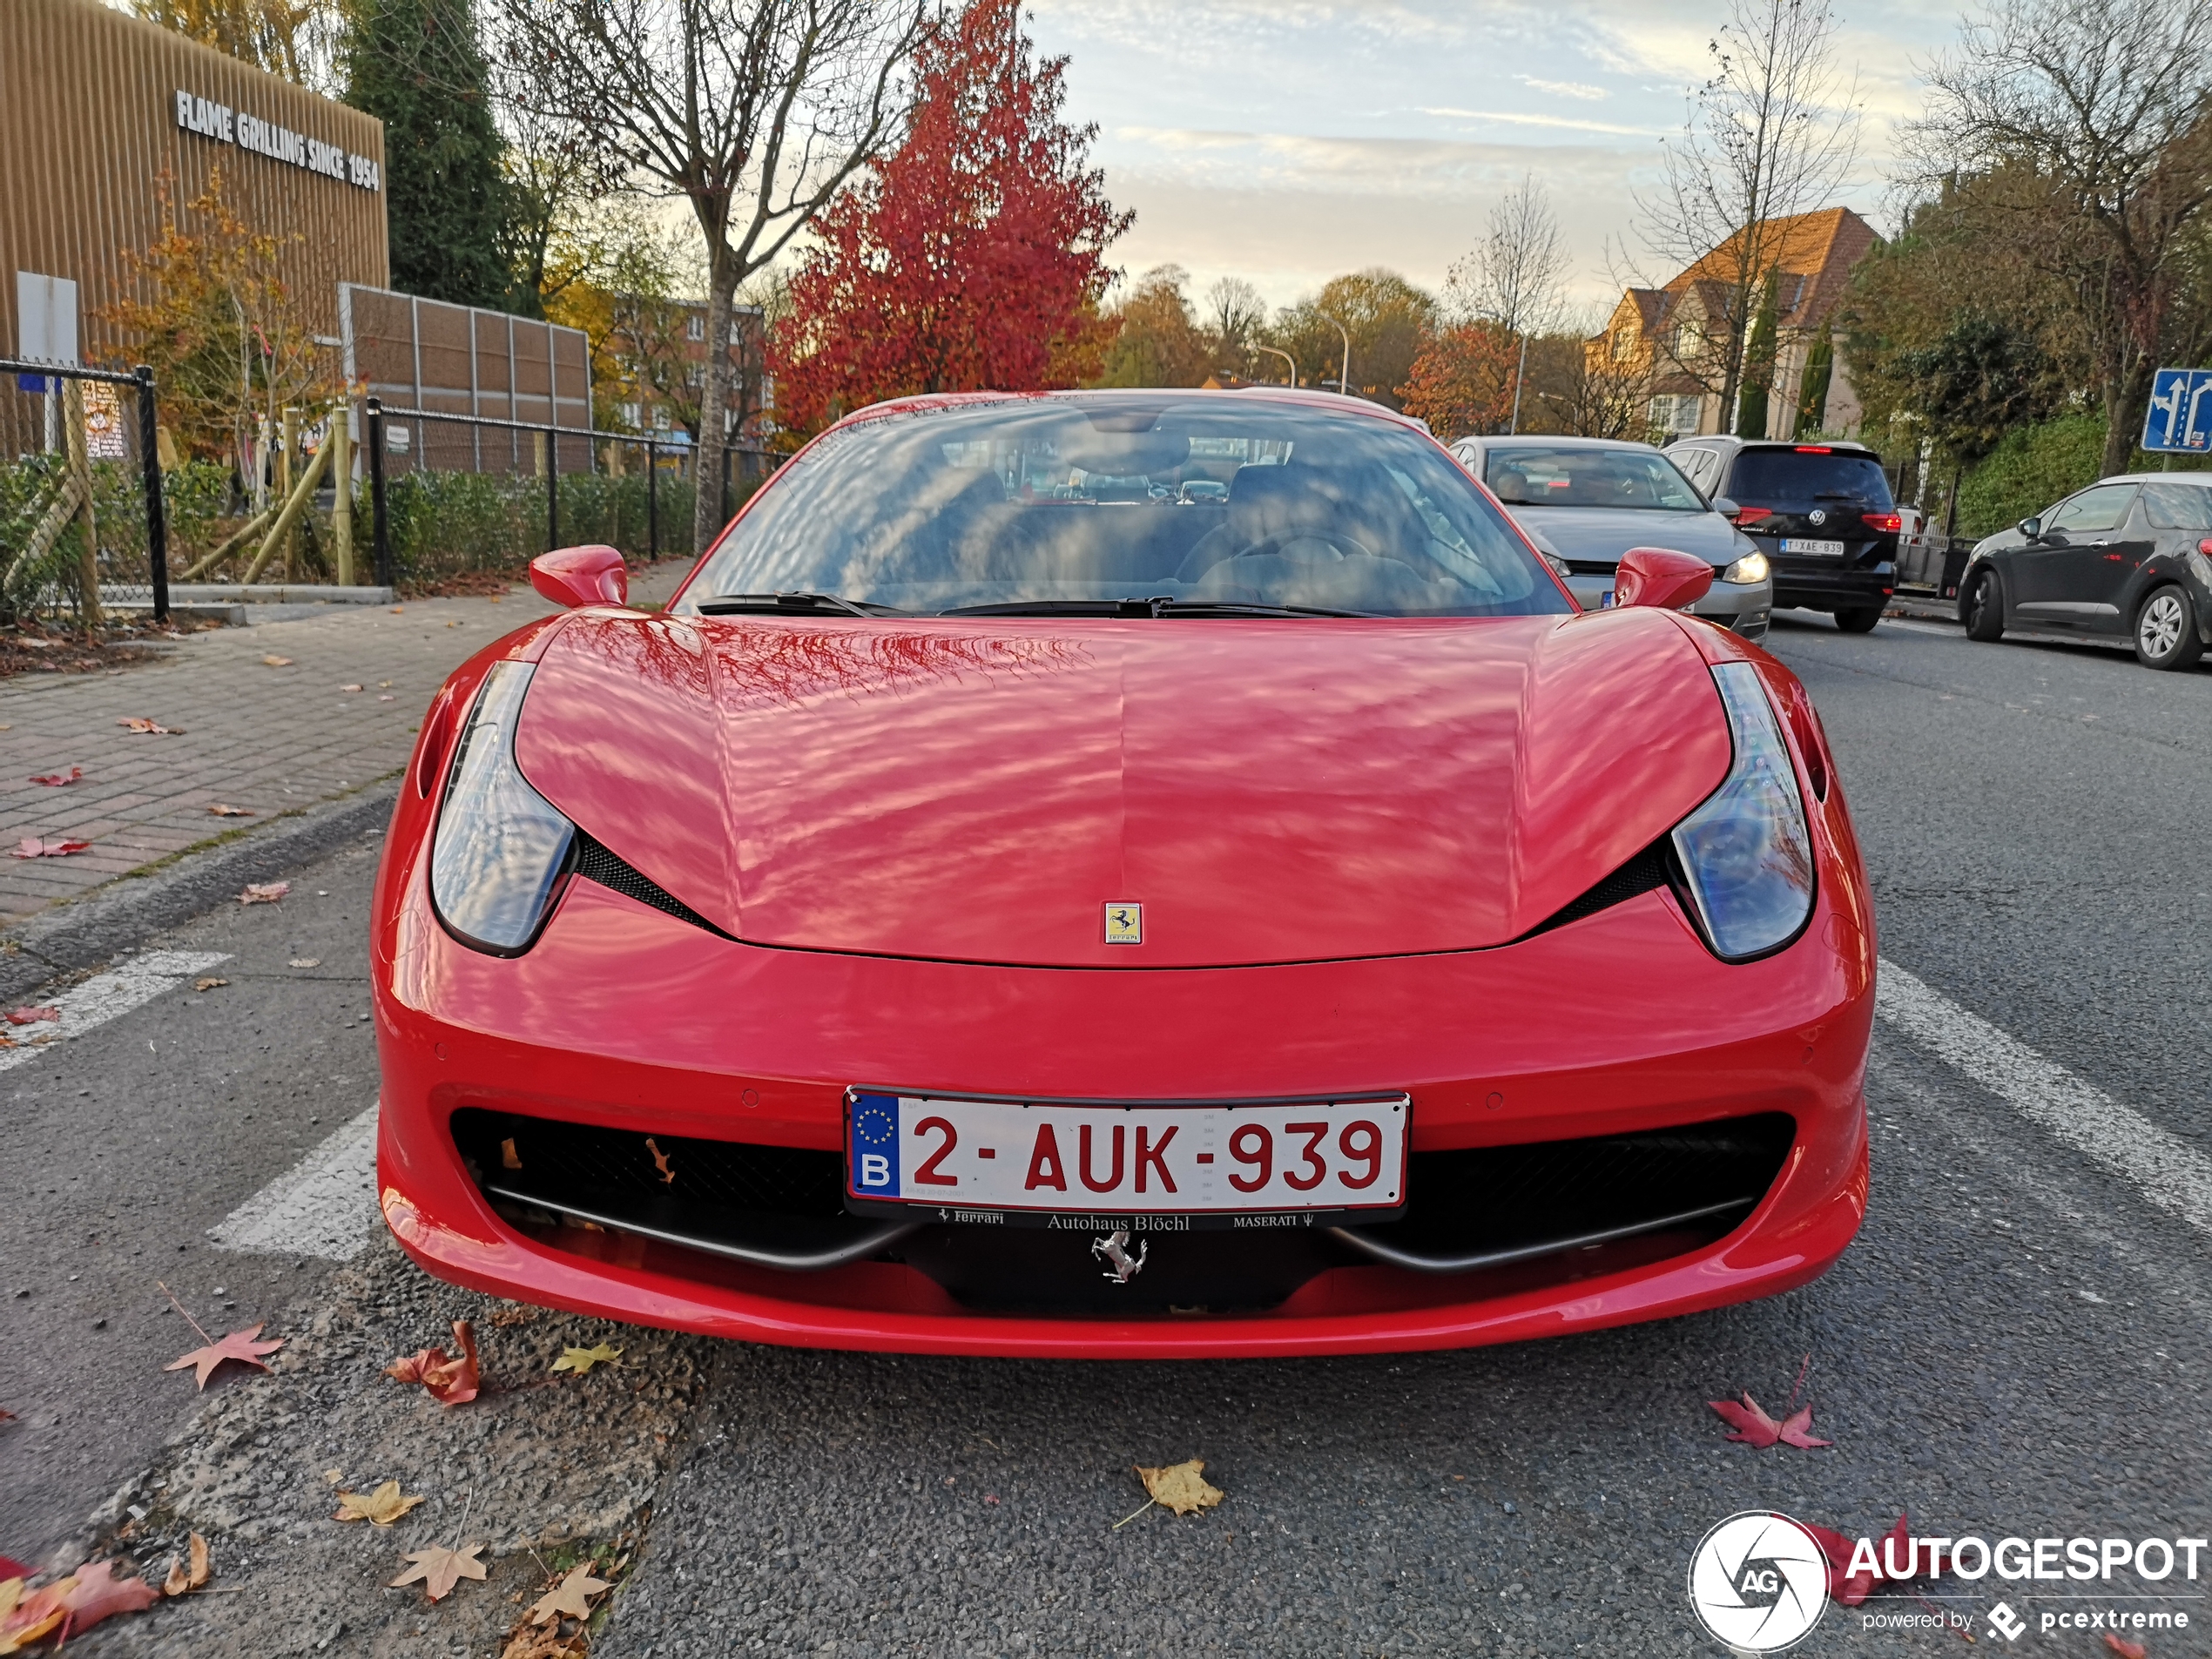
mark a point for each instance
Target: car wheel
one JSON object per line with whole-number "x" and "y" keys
{"x": 2166, "y": 634}
{"x": 1982, "y": 608}
{"x": 1858, "y": 620}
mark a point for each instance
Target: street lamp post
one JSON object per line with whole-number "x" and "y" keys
{"x": 1519, "y": 379}
{"x": 1286, "y": 357}
{"x": 1343, "y": 374}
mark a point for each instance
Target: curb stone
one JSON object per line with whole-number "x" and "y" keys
{"x": 89, "y": 930}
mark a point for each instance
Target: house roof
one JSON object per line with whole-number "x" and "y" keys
{"x": 1812, "y": 253}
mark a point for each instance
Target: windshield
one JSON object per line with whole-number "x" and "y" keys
{"x": 1767, "y": 475}
{"x": 1547, "y": 476}
{"x": 1202, "y": 501}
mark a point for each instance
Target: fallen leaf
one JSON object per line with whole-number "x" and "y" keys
{"x": 1797, "y": 1431}
{"x": 316, "y": 961}
{"x": 516, "y": 1314}
{"x": 382, "y": 697}
{"x": 37, "y": 1614}
{"x": 277, "y": 662}
{"x": 232, "y": 812}
{"x": 1180, "y": 1487}
{"x": 264, "y": 891}
{"x": 181, "y": 1580}
{"x": 2126, "y": 1650}
{"x": 31, "y": 1016}
{"x": 349, "y": 688}
{"x": 239, "y": 1346}
{"x": 571, "y": 1598}
{"x": 55, "y": 780}
{"x": 580, "y": 1360}
{"x": 382, "y": 685}
{"x": 440, "y": 1568}
{"x": 383, "y": 1507}
{"x": 451, "y": 1381}
{"x": 1844, "y": 1586}
{"x": 528, "y": 1641}
{"x": 660, "y": 1162}
{"x": 1748, "y": 1422}
{"x": 208, "y": 984}
{"x": 32, "y": 847}
{"x": 145, "y": 727}
{"x": 95, "y": 1593}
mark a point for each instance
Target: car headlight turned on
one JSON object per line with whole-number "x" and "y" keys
{"x": 500, "y": 846}
{"x": 1745, "y": 852}
{"x": 1752, "y": 567}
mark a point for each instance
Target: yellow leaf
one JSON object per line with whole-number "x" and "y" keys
{"x": 384, "y": 1505}
{"x": 182, "y": 1580}
{"x": 1181, "y": 1487}
{"x": 580, "y": 1361}
{"x": 440, "y": 1568}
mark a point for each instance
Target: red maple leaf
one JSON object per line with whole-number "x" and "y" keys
{"x": 32, "y": 847}
{"x": 1850, "y": 1589}
{"x": 970, "y": 256}
{"x": 55, "y": 780}
{"x": 1796, "y": 1431}
{"x": 98, "y": 1595}
{"x": 239, "y": 1346}
{"x": 31, "y": 1016}
{"x": 2126, "y": 1650}
{"x": 451, "y": 1381}
{"x": 1748, "y": 1422}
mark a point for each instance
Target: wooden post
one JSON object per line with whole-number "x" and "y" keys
{"x": 341, "y": 474}
{"x": 284, "y": 485}
{"x": 80, "y": 466}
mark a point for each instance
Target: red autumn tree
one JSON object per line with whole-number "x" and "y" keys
{"x": 1461, "y": 381}
{"x": 971, "y": 256}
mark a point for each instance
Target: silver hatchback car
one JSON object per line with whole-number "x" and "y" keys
{"x": 1585, "y": 502}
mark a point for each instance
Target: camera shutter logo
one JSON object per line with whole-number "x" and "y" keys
{"x": 1759, "y": 1582}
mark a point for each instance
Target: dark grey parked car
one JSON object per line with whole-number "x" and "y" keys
{"x": 1585, "y": 502}
{"x": 2128, "y": 555}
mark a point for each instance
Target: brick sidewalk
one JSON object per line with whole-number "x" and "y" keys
{"x": 269, "y": 740}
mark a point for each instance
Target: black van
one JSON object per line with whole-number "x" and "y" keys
{"x": 1821, "y": 513}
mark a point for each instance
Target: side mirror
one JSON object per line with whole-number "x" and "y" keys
{"x": 1661, "y": 578}
{"x": 1725, "y": 508}
{"x": 2032, "y": 529}
{"x": 582, "y": 576}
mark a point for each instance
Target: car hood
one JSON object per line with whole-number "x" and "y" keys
{"x": 1267, "y": 791}
{"x": 1601, "y": 534}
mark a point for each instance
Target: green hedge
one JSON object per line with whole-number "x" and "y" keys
{"x": 446, "y": 523}
{"x": 2036, "y": 465}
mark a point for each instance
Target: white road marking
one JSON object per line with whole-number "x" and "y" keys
{"x": 323, "y": 1206}
{"x": 2172, "y": 1174}
{"x": 98, "y": 999}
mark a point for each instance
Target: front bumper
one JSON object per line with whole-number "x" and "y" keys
{"x": 628, "y": 1019}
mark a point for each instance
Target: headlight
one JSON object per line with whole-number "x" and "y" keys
{"x": 500, "y": 846}
{"x": 1746, "y": 852}
{"x": 1752, "y": 567}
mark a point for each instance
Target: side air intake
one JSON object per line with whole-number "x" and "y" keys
{"x": 595, "y": 863}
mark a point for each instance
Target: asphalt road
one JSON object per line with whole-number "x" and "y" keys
{"x": 2017, "y": 1344}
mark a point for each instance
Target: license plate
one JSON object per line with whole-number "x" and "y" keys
{"x": 1047, "y": 1156}
{"x": 1817, "y": 550}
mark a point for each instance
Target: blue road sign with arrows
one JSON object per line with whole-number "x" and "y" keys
{"x": 2179, "y": 420}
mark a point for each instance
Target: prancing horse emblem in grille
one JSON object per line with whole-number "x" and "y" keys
{"x": 1114, "y": 1248}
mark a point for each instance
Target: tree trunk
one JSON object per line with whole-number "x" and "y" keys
{"x": 2127, "y": 401}
{"x": 714, "y": 395}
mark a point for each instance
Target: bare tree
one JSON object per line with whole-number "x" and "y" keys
{"x": 1517, "y": 275}
{"x": 1583, "y": 385}
{"x": 1773, "y": 133}
{"x": 755, "y": 111}
{"x": 1235, "y": 313}
{"x": 2094, "y": 124}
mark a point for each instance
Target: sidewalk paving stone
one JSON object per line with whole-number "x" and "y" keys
{"x": 269, "y": 740}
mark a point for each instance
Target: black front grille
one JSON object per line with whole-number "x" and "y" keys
{"x": 1509, "y": 1198}
{"x": 588, "y": 1165}
{"x": 1462, "y": 1203}
{"x": 595, "y": 863}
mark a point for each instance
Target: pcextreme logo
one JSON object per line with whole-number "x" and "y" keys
{"x": 1759, "y": 1582}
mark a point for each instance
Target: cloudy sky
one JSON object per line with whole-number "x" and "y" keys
{"x": 1289, "y": 141}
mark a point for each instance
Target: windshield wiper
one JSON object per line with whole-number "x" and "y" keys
{"x": 1161, "y": 605}
{"x": 730, "y": 605}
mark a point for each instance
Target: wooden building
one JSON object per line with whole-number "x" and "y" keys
{"x": 97, "y": 107}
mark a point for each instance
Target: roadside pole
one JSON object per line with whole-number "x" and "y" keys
{"x": 150, "y": 465}
{"x": 378, "y": 524}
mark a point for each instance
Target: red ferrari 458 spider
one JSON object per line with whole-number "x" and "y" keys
{"x": 1165, "y": 873}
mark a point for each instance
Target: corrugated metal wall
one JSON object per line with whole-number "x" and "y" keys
{"x": 88, "y": 123}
